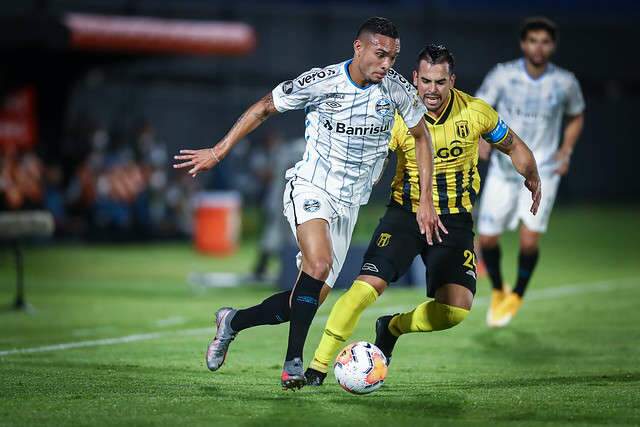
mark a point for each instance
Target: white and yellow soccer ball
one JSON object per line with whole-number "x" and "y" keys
{"x": 360, "y": 368}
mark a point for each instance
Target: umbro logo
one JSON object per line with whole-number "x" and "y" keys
{"x": 333, "y": 104}
{"x": 367, "y": 266}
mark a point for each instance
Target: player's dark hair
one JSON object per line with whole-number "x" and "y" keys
{"x": 378, "y": 25}
{"x": 536, "y": 23}
{"x": 436, "y": 54}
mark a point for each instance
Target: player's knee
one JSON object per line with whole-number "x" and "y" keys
{"x": 528, "y": 246}
{"x": 487, "y": 242}
{"x": 319, "y": 267}
{"x": 375, "y": 282}
{"x": 444, "y": 316}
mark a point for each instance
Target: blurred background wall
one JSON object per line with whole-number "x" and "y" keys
{"x": 108, "y": 123}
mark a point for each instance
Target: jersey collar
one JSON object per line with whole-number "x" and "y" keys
{"x": 445, "y": 113}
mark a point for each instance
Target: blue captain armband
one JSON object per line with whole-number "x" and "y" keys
{"x": 498, "y": 133}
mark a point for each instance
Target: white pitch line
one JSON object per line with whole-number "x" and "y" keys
{"x": 542, "y": 294}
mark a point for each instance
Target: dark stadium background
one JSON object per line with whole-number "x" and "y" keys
{"x": 191, "y": 101}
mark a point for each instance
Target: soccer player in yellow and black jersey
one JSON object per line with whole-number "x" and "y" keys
{"x": 456, "y": 122}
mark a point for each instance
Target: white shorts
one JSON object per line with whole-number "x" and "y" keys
{"x": 304, "y": 201}
{"x": 506, "y": 201}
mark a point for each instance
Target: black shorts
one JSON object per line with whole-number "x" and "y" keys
{"x": 397, "y": 241}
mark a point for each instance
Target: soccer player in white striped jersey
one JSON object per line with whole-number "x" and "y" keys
{"x": 350, "y": 109}
{"x": 534, "y": 96}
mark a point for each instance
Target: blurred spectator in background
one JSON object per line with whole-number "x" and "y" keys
{"x": 277, "y": 156}
{"x": 21, "y": 180}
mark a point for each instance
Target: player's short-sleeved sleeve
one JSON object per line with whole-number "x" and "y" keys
{"x": 397, "y": 132}
{"x": 492, "y": 128}
{"x": 406, "y": 100}
{"x": 574, "y": 103}
{"x": 491, "y": 86}
{"x": 296, "y": 94}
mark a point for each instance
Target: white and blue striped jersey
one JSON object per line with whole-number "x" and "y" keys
{"x": 347, "y": 127}
{"x": 533, "y": 108}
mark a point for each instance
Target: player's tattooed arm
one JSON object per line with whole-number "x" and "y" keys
{"x": 524, "y": 162}
{"x": 205, "y": 159}
{"x": 508, "y": 140}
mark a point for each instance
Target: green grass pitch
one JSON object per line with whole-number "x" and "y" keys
{"x": 571, "y": 356}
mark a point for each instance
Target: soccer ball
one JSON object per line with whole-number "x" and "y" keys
{"x": 360, "y": 368}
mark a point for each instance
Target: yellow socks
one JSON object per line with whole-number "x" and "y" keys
{"x": 427, "y": 317}
{"x": 343, "y": 319}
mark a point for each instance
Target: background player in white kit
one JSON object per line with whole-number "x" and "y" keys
{"x": 350, "y": 110}
{"x": 533, "y": 96}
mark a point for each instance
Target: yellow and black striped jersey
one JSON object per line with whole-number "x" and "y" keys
{"x": 455, "y": 135}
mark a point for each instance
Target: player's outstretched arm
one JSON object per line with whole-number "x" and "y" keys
{"x": 207, "y": 158}
{"x": 524, "y": 162}
{"x": 427, "y": 218}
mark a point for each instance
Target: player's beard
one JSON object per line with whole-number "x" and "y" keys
{"x": 538, "y": 61}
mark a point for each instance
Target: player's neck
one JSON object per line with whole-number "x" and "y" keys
{"x": 535, "y": 71}
{"x": 356, "y": 76}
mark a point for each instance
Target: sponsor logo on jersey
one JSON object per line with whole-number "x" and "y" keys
{"x": 383, "y": 107}
{"x": 462, "y": 128}
{"x": 334, "y": 96}
{"x": 450, "y": 153}
{"x": 394, "y": 74}
{"x": 383, "y": 240}
{"x": 372, "y": 129}
{"x": 316, "y": 75}
{"x": 287, "y": 87}
{"x": 367, "y": 266}
{"x": 311, "y": 205}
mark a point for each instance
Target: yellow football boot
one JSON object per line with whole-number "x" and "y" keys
{"x": 507, "y": 310}
{"x": 497, "y": 296}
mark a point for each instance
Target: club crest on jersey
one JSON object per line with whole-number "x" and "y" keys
{"x": 383, "y": 240}
{"x": 383, "y": 107}
{"x": 462, "y": 128}
{"x": 311, "y": 205}
{"x": 287, "y": 87}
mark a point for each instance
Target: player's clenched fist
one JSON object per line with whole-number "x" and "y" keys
{"x": 197, "y": 160}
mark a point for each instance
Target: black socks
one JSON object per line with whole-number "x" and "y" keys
{"x": 272, "y": 311}
{"x": 491, "y": 258}
{"x": 526, "y": 265}
{"x": 304, "y": 304}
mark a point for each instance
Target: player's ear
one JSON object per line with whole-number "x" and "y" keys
{"x": 357, "y": 47}
{"x": 522, "y": 45}
{"x": 415, "y": 78}
{"x": 453, "y": 80}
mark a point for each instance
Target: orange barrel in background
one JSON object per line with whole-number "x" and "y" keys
{"x": 217, "y": 221}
